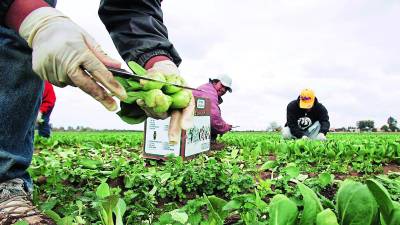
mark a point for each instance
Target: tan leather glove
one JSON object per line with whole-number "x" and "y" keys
{"x": 61, "y": 50}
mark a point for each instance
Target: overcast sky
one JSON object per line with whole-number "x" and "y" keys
{"x": 347, "y": 51}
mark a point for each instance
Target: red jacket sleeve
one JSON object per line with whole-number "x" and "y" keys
{"x": 19, "y": 10}
{"x": 48, "y": 98}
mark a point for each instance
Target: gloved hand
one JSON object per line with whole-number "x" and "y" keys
{"x": 321, "y": 137}
{"x": 180, "y": 119}
{"x": 61, "y": 50}
{"x": 39, "y": 118}
{"x": 167, "y": 67}
{"x": 149, "y": 111}
{"x": 304, "y": 137}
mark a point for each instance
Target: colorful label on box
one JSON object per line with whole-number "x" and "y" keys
{"x": 198, "y": 138}
{"x": 201, "y": 103}
{"x": 156, "y": 142}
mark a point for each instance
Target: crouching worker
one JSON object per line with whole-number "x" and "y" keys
{"x": 214, "y": 90}
{"x": 306, "y": 118}
{"x": 43, "y": 117}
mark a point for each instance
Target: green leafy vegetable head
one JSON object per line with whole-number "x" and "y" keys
{"x": 173, "y": 79}
{"x": 150, "y": 85}
{"x": 181, "y": 99}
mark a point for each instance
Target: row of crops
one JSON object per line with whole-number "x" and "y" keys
{"x": 101, "y": 178}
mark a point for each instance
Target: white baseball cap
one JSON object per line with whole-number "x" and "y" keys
{"x": 225, "y": 80}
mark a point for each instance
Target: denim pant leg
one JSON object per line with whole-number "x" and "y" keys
{"x": 20, "y": 96}
{"x": 214, "y": 134}
{"x": 44, "y": 128}
{"x": 313, "y": 131}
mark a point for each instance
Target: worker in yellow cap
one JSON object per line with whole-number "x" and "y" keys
{"x": 306, "y": 118}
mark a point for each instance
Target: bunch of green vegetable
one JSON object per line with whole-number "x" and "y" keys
{"x": 156, "y": 96}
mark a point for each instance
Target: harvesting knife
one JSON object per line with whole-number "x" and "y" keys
{"x": 126, "y": 74}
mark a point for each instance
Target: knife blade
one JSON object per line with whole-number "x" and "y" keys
{"x": 126, "y": 74}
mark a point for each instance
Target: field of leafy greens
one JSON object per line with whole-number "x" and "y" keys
{"x": 101, "y": 178}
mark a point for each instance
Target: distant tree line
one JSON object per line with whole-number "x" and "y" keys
{"x": 369, "y": 126}
{"x": 362, "y": 125}
{"x": 85, "y": 129}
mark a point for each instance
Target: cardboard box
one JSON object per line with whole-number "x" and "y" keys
{"x": 192, "y": 141}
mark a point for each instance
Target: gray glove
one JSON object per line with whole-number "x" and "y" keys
{"x": 39, "y": 118}
{"x": 321, "y": 137}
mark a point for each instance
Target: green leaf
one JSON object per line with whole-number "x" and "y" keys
{"x": 112, "y": 202}
{"x": 232, "y": 205}
{"x": 136, "y": 68}
{"x": 327, "y": 217}
{"x": 312, "y": 205}
{"x": 153, "y": 190}
{"x": 234, "y": 152}
{"x": 356, "y": 205}
{"x": 218, "y": 205}
{"x": 282, "y": 211}
{"x": 49, "y": 204}
{"x": 68, "y": 220}
{"x": 292, "y": 171}
{"x": 260, "y": 204}
{"x": 131, "y": 120}
{"x": 103, "y": 190}
{"x": 114, "y": 174}
{"x": 325, "y": 179}
{"x": 53, "y": 215}
{"x": 133, "y": 85}
{"x": 164, "y": 177}
{"x": 267, "y": 165}
{"x": 382, "y": 197}
{"x": 122, "y": 81}
{"x": 165, "y": 219}
{"x": 21, "y": 222}
{"x": 89, "y": 163}
{"x": 195, "y": 218}
{"x": 215, "y": 206}
{"x": 79, "y": 220}
{"x": 119, "y": 211}
{"x": 395, "y": 217}
{"x": 179, "y": 216}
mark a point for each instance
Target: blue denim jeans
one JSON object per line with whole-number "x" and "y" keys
{"x": 44, "y": 128}
{"x": 312, "y": 132}
{"x": 20, "y": 96}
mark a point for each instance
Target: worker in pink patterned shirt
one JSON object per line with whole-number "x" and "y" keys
{"x": 214, "y": 90}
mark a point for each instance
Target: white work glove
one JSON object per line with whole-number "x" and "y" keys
{"x": 39, "y": 118}
{"x": 61, "y": 50}
{"x": 167, "y": 67}
{"x": 321, "y": 137}
{"x": 304, "y": 137}
{"x": 182, "y": 120}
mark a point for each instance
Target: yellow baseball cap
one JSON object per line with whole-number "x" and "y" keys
{"x": 307, "y": 98}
